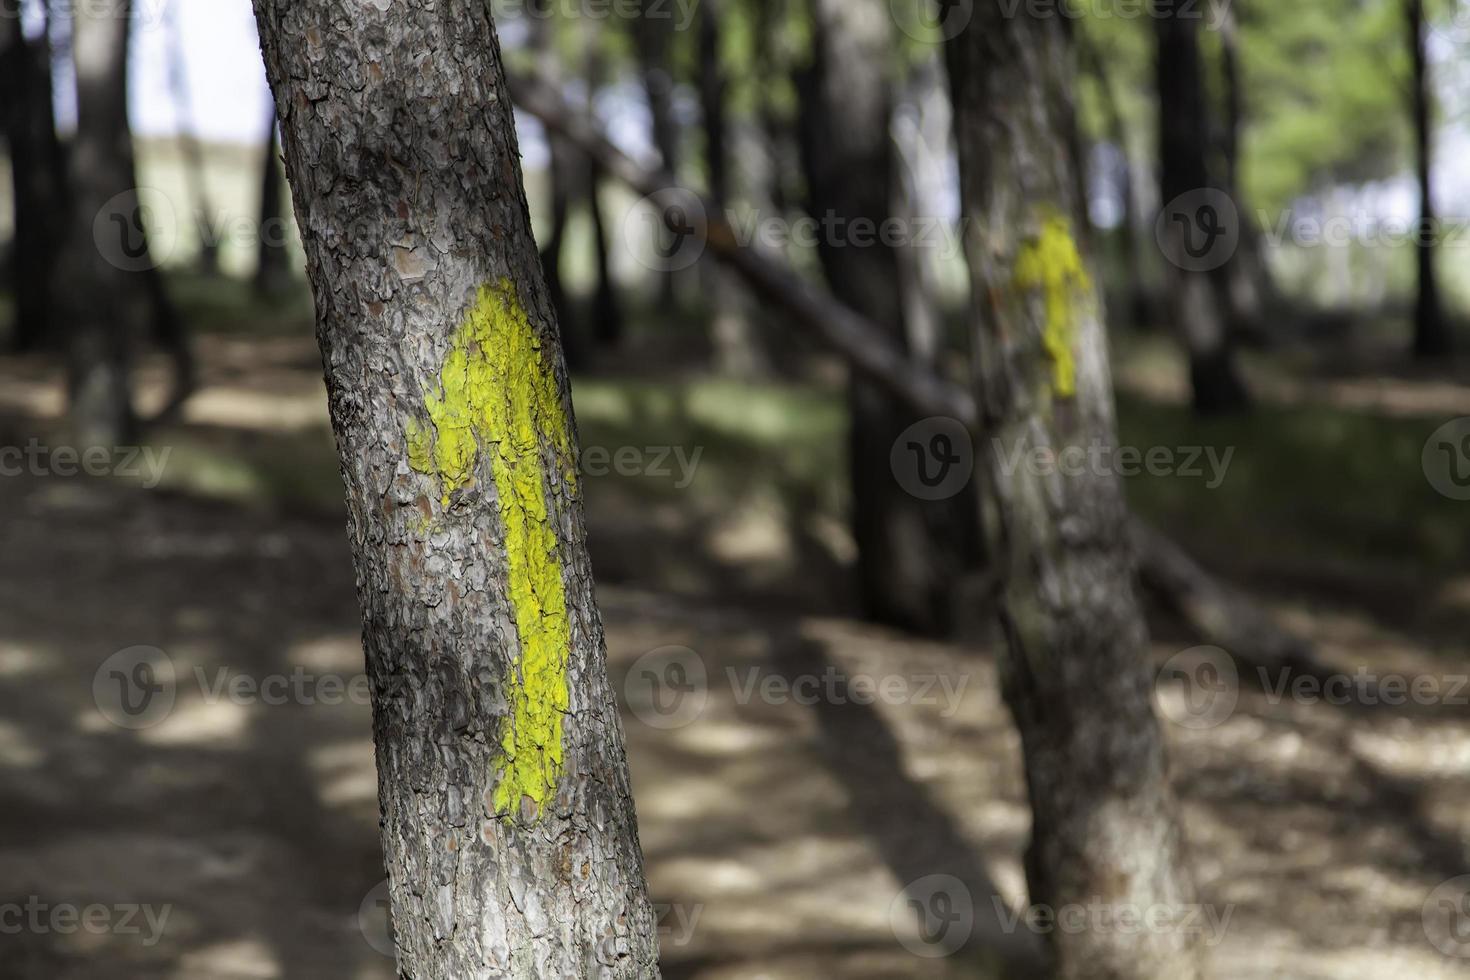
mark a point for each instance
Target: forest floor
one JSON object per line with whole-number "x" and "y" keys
{"x": 780, "y": 835}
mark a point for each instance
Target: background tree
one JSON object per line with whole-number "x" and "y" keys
{"x": 1431, "y": 331}
{"x": 1104, "y": 820}
{"x": 507, "y": 821}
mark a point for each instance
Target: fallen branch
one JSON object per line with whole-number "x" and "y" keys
{"x": 1219, "y": 613}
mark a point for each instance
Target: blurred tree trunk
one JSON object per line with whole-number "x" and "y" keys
{"x": 193, "y": 162}
{"x": 561, "y": 181}
{"x": 1431, "y": 330}
{"x": 1105, "y": 827}
{"x": 607, "y": 311}
{"x": 273, "y": 256}
{"x": 737, "y": 345}
{"x": 652, "y": 34}
{"x": 1196, "y": 306}
{"x": 508, "y": 824}
{"x": 37, "y": 169}
{"x": 103, "y": 299}
{"x": 908, "y": 552}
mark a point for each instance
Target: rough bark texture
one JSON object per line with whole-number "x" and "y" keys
{"x": 1104, "y": 823}
{"x": 508, "y": 824}
{"x": 908, "y": 553}
{"x": 1196, "y": 306}
{"x": 36, "y": 171}
{"x": 1431, "y": 330}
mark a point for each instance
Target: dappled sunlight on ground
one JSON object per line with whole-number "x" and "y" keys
{"x": 794, "y": 769}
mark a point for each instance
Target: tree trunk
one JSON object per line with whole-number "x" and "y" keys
{"x": 106, "y": 248}
{"x": 1105, "y": 828}
{"x": 36, "y": 164}
{"x": 1431, "y": 330}
{"x": 607, "y": 311}
{"x": 737, "y": 346}
{"x": 273, "y": 257}
{"x": 508, "y": 824}
{"x": 907, "y": 555}
{"x": 193, "y": 154}
{"x": 1196, "y": 305}
{"x": 561, "y": 181}
{"x": 652, "y": 34}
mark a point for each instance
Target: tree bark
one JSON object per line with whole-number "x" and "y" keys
{"x": 1431, "y": 330}
{"x": 908, "y": 548}
{"x": 36, "y": 164}
{"x": 508, "y": 824}
{"x": 1105, "y": 828}
{"x": 1196, "y": 305}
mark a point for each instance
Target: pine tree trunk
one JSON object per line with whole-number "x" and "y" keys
{"x": 1196, "y": 305}
{"x": 906, "y": 554}
{"x": 1431, "y": 331}
{"x": 508, "y": 824}
{"x": 1104, "y": 820}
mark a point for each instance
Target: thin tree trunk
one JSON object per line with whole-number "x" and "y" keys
{"x": 36, "y": 174}
{"x": 1431, "y": 331}
{"x": 507, "y": 818}
{"x": 103, "y": 296}
{"x": 193, "y": 154}
{"x": 907, "y": 557}
{"x": 607, "y": 311}
{"x": 737, "y": 346}
{"x": 1196, "y": 305}
{"x": 652, "y": 35}
{"x": 561, "y": 181}
{"x": 1105, "y": 828}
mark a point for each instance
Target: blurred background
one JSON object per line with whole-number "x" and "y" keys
{"x": 1307, "y": 487}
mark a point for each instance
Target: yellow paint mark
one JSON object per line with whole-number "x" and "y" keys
{"x": 1051, "y": 262}
{"x": 497, "y": 394}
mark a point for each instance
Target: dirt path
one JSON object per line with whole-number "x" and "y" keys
{"x": 781, "y": 829}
